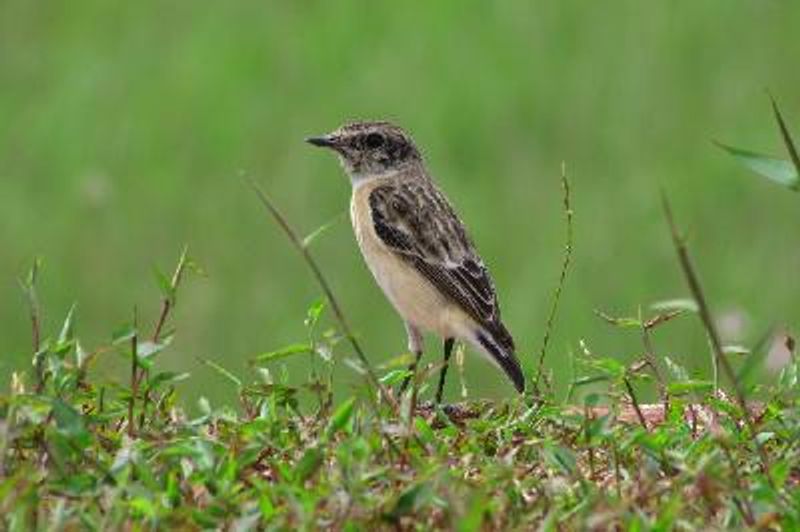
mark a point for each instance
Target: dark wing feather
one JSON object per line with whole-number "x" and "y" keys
{"x": 417, "y": 223}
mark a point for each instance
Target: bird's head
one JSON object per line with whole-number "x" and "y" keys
{"x": 370, "y": 149}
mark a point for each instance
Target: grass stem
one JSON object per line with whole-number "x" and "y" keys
{"x": 696, "y": 289}
{"x": 134, "y": 372}
{"x": 635, "y": 403}
{"x": 568, "y": 214}
{"x": 372, "y": 378}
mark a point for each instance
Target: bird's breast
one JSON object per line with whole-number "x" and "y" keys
{"x": 414, "y": 298}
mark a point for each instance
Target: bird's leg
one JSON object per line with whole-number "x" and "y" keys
{"x": 415, "y": 347}
{"x": 448, "y": 350}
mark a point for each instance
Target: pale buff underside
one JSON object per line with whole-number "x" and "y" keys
{"x": 417, "y": 301}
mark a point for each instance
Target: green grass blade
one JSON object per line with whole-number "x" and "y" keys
{"x": 289, "y": 350}
{"x": 777, "y": 170}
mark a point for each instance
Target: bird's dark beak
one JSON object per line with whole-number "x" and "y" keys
{"x": 323, "y": 141}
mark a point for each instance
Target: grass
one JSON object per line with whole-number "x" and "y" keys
{"x": 77, "y": 451}
{"x": 85, "y": 453}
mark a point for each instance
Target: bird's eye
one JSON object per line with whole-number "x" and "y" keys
{"x": 374, "y": 140}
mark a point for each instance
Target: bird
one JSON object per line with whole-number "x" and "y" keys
{"x": 418, "y": 249}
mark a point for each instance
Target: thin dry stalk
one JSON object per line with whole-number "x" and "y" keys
{"x": 134, "y": 373}
{"x": 372, "y": 378}
{"x": 35, "y": 329}
{"x": 169, "y": 301}
{"x": 705, "y": 316}
{"x": 787, "y": 137}
{"x": 635, "y": 403}
{"x": 568, "y": 213}
{"x": 650, "y": 356}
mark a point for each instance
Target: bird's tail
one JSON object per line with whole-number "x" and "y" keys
{"x": 497, "y": 342}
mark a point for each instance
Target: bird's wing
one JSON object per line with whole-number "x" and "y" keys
{"x": 418, "y": 224}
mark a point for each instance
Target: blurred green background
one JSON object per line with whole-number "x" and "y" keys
{"x": 125, "y": 129}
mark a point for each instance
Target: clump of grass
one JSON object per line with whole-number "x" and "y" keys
{"x": 70, "y": 459}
